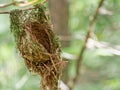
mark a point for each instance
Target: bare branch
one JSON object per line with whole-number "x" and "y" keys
{"x": 88, "y": 35}
{"x": 4, "y": 12}
{"x": 10, "y": 4}
{"x": 27, "y": 3}
{"x": 32, "y": 2}
{"x": 21, "y": 4}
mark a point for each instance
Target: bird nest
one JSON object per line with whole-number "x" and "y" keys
{"x": 37, "y": 44}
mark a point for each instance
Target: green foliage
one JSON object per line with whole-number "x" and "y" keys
{"x": 99, "y": 65}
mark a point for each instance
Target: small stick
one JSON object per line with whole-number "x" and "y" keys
{"x": 27, "y": 3}
{"x": 4, "y": 12}
{"x": 10, "y": 4}
{"x": 21, "y": 5}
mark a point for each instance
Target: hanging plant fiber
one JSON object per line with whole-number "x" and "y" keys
{"x": 37, "y": 44}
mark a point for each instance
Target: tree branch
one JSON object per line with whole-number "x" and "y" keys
{"x": 21, "y": 4}
{"x": 10, "y": 4}
{"x": 27, "y": 3}
{"x": 5, "y": 12}
{"x": 88, "y": 35}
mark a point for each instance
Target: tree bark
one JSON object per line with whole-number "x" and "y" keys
{"x": 59, "y": 11}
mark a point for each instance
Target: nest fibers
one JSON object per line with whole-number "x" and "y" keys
{"x": 37, "y": 44}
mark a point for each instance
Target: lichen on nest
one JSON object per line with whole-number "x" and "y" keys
{"x": 38, "y": 44}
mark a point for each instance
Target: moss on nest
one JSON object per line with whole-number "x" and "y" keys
{"x": 37, "y": 44}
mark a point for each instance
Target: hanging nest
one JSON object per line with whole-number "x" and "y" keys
{"x": 38, "y": 44}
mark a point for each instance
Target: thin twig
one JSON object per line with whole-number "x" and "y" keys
{"x": 88, "y": 35}
{"x": 5, "y": 12}
{"x": 21, "y": 9}
{"x": 21, "y": 5}
{"x": 27, "y": 3}
{"x": 10, "y": 4}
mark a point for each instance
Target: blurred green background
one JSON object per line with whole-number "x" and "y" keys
{"x": 101, "y": 61}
